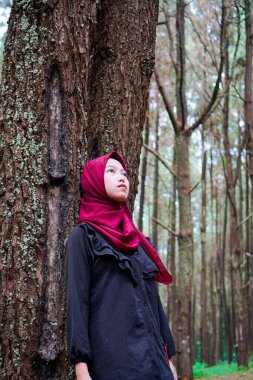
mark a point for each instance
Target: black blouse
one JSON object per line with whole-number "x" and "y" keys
{"x": 115, "y": 320}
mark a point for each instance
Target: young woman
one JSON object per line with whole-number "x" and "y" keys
{"x": 116, "y": 326}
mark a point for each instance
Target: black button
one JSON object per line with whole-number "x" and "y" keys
{"x": 145, "y": 304}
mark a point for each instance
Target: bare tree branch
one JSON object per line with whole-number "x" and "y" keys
{"x": 213, "y": 60}
{"x": 193, "y": 188}
{"x": 245, "y": 220}
{"x": 166, "y": 102}
{"x": 165, "y": 227}
{"x": 209, "y": 107}
{"x": 171, "y": 40}
{"x": 181, "y": 59}
{"x": 160, "y": 158}
{"x": 247, "y": 283}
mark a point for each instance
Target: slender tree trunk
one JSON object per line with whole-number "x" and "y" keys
{"x": 56, "y": 55}
{"x": 143, "y": 173}
{"x": 213, "y": 286}
{"x": 249, "y": 84}
{"x": 218, "y": 248}
{"x": 173, "y": 301}
{"x": 203, "y": 287}
{"x": 156, "y": 185}
{"x": 226, "y": 313}
{"x": 184, "y": 286}
{"x": 185, "y": 240}
{"x": 249, "y": 293}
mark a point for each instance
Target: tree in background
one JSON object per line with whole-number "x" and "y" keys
{"x": 74, "y": 85}
{"x": 183, "y": 129}
{"x": 190, "y": 74}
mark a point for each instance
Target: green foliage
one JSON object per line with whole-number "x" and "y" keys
{"x": 222, "y": 368}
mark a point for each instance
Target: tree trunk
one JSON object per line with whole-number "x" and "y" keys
{"x": 204, "y": 330}
{"x": 249, "y": 85}
{"x": 218, "y": 249}
{"x": 123, "y": 61}
{"x": 172, "y": 292}
{"x": 155, "y": 186}
{"x": 143, "y": 173}
{"x": 249, "y": 125}
{"x": 185, "y": 240}
{"x": 224, "y": 304}
{"x": 249, "y": 260}
{"x": 184, "y": 286}
{"x": 213, "y": 288}
{"x": 74, "y": 85}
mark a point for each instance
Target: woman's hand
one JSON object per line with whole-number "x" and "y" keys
{"x": 82, "y": 372}
{"x": 173, "y": 370}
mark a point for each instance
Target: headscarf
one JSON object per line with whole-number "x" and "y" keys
{"x": 111, "y": 218}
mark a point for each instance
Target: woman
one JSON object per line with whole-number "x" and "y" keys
{"x": 116, "y": 326}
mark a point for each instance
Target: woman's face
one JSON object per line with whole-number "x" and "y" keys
{"x": 116, "y": 182}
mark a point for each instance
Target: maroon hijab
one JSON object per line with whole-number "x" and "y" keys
{"x": 113, "y": 219}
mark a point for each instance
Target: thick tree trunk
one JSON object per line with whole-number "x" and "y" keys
{"x": 123, "y": 61}
{"x": 185, "y": 241}
{"x": 67, "y": 94}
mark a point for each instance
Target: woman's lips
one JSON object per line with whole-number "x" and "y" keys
{"x": 124, "y": 186}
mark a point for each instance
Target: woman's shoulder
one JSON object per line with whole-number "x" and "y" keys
{"x": 79, "y": 243}
{"x": 82, "y": 234}
{"x": 80, "y": 231}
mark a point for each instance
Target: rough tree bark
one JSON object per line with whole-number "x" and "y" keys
{"x": 74, "y": 85}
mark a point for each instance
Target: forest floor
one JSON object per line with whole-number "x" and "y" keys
{"x": 236, "y": 376}
{"x": 223, "y": 371}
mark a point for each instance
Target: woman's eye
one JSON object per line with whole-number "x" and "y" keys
{"x": 124, "y": 174}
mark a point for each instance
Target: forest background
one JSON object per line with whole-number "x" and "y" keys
{"x": 195, "y": 195}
